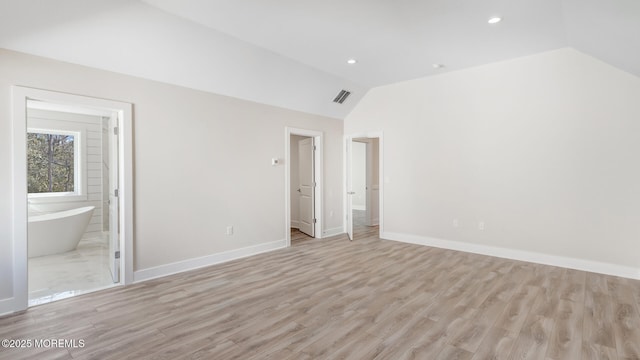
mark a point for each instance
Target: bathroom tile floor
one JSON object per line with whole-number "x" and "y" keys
{"x": 60, "y": 276}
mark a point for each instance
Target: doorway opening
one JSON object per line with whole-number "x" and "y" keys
{"x": 363, "y": 181}
{"x": 303, "y": 189}
{"x": 72, "y": 195}
{"x": 70, "y": 220}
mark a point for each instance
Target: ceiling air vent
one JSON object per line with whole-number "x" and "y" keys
{"x": 342, "y": 96}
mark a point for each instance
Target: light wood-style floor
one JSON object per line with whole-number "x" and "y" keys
{"x": 339, "y": 299}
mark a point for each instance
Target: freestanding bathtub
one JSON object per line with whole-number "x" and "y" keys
{"x": 57, "y": 232}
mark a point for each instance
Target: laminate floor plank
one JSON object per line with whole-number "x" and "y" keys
{"x": 573, "y": 285}
{"x": 566, "y": 338}
{"x": 517, "y": 310}
{"x": 333, "y": 340}
{"x": 598, "y": 319}
{"x": 496, "y": 345}
{"x": 425, "y": 344}
{"x": 627, "y": 319}
{"x": 453, "y": 353}
{"x": 533, "y": 340}
{"x": 338, "y": 299}
{"x": 591, "y": 351}
{"x": 216, "y": 350}
{"x": 35, "y": 354}
{"x": 364, "y": 346}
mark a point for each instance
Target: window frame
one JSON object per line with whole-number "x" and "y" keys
{"x": 80, "y": 165}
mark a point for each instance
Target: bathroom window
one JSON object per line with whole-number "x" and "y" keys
{"x": 53, "y": 162}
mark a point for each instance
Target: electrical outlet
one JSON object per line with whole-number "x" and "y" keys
{"x": 456, "y": 223}
{"x": 480, "y": 225}
{"x": 230, "y": 230}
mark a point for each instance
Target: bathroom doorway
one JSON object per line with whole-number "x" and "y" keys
{"x": 76, "y": 194}
{"x": 69, "y": 217}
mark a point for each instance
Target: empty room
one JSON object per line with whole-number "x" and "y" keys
{"x": 435, "y": 179}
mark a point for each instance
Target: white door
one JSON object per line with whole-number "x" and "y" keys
{"x": 306, "y": 192}
{"x": 349, "y": 187}
{"x": 114, "y": 223}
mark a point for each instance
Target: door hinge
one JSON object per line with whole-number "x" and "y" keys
{"x": 315, "y": 221}
{"x": 117, "y": 254}
{"x": 314, "y": 147}
{"x": 116, "y": 193}
{"x": 115, "y": 130}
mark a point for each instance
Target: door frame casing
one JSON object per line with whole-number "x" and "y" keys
{"x": 115, "y": 264}
{"x": 318, "y": 178}
{"x": 20, "y": 96}
{"x": 347, "y": 165}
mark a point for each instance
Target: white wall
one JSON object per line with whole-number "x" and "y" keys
{"x": 202, "y": 162}
{"x": 91, "y": 125}
{"x": 543, "y": 149}
{"x": 359, "y": 175}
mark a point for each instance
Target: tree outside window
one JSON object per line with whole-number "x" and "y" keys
{"x": 51, "y": 161}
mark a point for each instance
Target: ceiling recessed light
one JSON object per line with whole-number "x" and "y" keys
{"x": 494, "y": 20}
{"x": 438, "y": 66}
{"x": 352, "y": 61}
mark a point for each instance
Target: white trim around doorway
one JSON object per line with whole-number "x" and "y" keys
{"x": 20, "y": 96}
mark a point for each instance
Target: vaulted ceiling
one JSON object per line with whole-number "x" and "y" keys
{"x": 293, "y": 53}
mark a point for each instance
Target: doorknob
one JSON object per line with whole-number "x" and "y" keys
{"x": 351, "y": 193}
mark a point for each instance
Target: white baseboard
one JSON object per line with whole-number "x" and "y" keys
{"x": 8, "y": 306}
{"x": 195, "y": 263}
{"x": 539, "y": 258}
{"x": 295, "y": 224}
{"x": 359, "y": 207}
{"x": 332, "y": 232}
